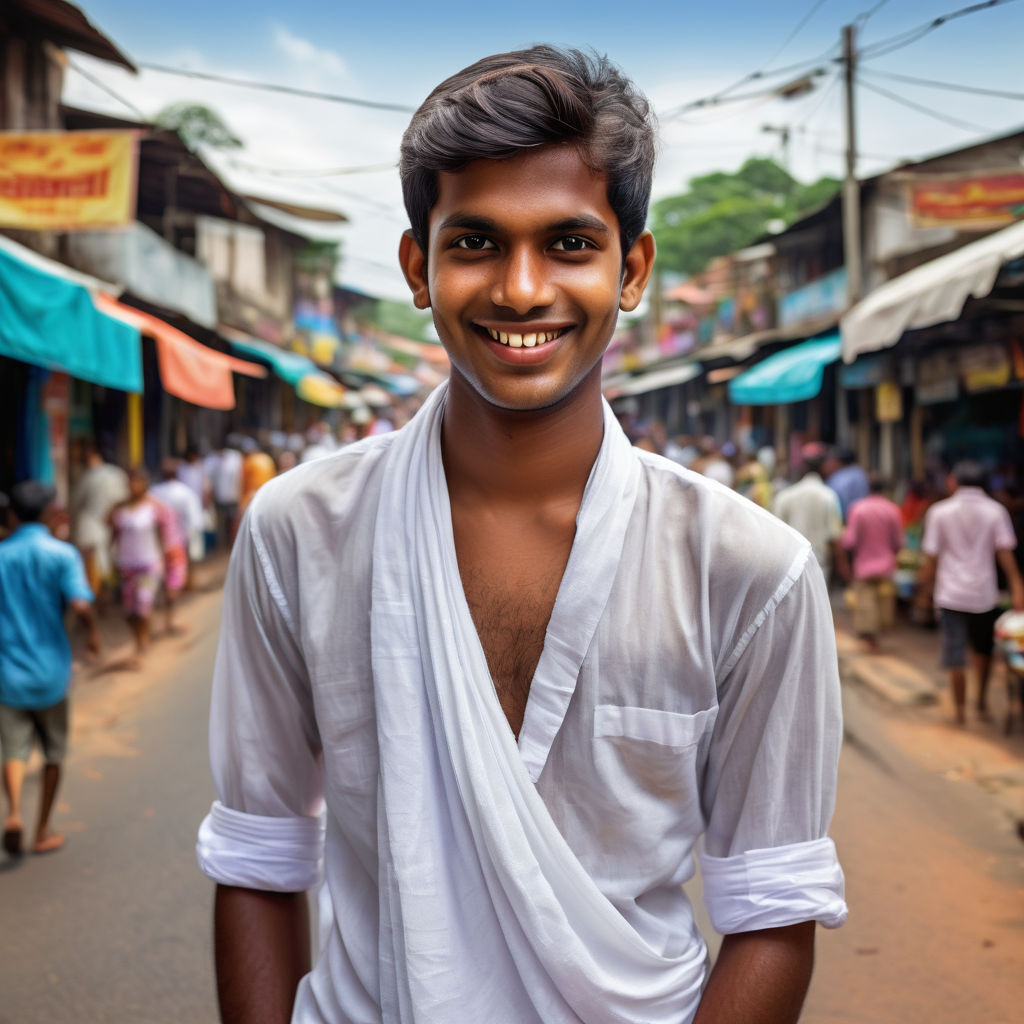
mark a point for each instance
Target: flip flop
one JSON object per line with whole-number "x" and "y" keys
{"x": 12, "y": 841}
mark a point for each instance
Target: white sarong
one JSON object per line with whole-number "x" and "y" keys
{"x": 486, "y": 913}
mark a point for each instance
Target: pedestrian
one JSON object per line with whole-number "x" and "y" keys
{"x": 521, "y": 664}
{"x": 191, "y": 472}
{"x": 101, "y": 486}
{"x": 171, "y": 490}
{"x": 873, "y": 537}
{"x": 965, "y": 537}
{"x": 39, "y": 577}
{"x": 258, "y": 467}
{"x": 226, "y": 485}
{"x": 849, "y": 481}
{"x": 139, "y": 557}
{"x": 812, "y": 507}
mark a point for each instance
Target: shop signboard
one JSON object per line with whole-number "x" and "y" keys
{"x": 937, "y": 378}
{"x": 984, "y": 367}
{"x": 973, "y": 201}
{"x": 888, "y": 402}
{"x": 822, "y": 297}
{"x": 65, "y": 181}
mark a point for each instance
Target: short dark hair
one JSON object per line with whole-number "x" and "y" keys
{"x": 877, "y": 483}
{"x": 30, "y": 499}
{"x": 511, "y": 102}
{"x": 969, "y": 473}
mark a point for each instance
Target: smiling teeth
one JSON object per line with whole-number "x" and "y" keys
{"x": 523, "y": 340}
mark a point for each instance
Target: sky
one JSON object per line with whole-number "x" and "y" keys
{"x": 677, "y": 52}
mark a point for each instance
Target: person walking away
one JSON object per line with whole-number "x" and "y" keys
{"x": 258, "y": 467}
{"x": 873, "y": 537}
{"x": 965, "y": 536}
{"x": 39, "y": 577}
{"x": 431, "y": 686}
{"x": 227, "y": 490}
{"x": 138, "y": 557}
{"x": 812, "y": 507}
{"x": 849, "y": 481}
{"x": 182, "y": 500}
{"x": 100, "y": 487}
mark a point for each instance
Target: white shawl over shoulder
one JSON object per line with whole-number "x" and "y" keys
{"x": 486, "y": 913}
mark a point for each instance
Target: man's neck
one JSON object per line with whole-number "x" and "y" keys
{"x": 498, "y": 456}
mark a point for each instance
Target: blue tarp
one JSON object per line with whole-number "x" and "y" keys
{"x": 48, "y": 321}
{"x": 289, "y": 366}
{"x": 792, "y": 375}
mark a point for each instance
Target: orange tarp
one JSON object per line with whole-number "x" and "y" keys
{"x": 188, "y": 369}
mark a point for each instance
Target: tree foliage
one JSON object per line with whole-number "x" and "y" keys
{"x": 197, "y": 125}
{"x": 722, "y": 212}
{"x": 401, "y": 318}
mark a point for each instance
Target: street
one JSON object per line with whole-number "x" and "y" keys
{"x": 117, "y": 926}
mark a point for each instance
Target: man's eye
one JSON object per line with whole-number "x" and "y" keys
{"x": 572, "y": 243}
{"x": 475, "y": 242}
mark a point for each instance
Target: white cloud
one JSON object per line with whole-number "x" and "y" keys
{"x": 306, "y": 54}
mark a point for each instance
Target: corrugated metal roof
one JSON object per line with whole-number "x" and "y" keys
{"x": 61, "y": 23}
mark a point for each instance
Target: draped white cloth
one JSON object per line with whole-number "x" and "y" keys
{"x": 486, "y": 871}
{"x": 355, "y": 737}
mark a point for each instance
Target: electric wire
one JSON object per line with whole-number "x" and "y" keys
{"x": 100, "y": 84}
{"x": 954, "y": 121}
{"x": 951, "y": 86}
{"x": 306, "y": 172}
{"x": 273, "y": 87}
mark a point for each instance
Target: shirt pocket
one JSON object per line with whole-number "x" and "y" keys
{"x": 648, "y": 725}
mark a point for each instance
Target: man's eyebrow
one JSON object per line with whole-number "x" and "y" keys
{"x": 581, "y": 223}
{"x": 469, "y": 223}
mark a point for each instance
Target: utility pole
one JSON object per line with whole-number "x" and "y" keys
{"x": 783, "y": 132}
{"x": 851, "y": 188}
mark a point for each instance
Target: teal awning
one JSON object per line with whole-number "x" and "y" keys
{"x": 289, "y": 366}
{"x": 792, "y": 375}
{"x": 50, "y": 321}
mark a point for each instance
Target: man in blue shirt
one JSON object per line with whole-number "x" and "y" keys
{"x": 39, "y": 577}
{"x": 850, "y": 482}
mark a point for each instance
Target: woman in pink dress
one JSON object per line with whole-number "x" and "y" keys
{"x": 138, "y": 557}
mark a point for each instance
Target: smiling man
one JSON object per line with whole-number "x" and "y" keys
{"x": 493, "y": 676}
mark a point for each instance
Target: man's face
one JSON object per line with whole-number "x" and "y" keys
{"x": 525, "y": 275}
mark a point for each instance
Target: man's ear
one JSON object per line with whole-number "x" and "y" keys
{"x": 639, "y": 263}
{"x": 414, "y": 266}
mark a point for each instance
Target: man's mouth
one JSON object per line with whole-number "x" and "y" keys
{"x": 528, "y": 340}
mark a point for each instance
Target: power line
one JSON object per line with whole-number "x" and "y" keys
{"x": 717, "y": 99}
{"x": 99, "y": 83}
{"x": 272, "y": 87}
{"x": 955, "y": 122}
{"x": 897, "y": 42}
{"x": 976, "y": 90}
{"x": 300, "y": 172}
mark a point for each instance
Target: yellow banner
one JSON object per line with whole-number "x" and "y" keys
{"x": 60, "y": 181}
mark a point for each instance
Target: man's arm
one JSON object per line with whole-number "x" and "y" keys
{"x": 760, "y": 977}
{"x": 925, "y": 581}
{"x": 261, "y": 950}
{"x": 1009, "y": 566}
{"x": 83, "y": 611}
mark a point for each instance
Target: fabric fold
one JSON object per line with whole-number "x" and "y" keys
{"x": 257, "y": 852}
{"x": 775, "y": 887}
{"x": 484, "y": 876}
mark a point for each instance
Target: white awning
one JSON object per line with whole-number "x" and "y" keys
{"x": 933, "y": 293}
{"x": 664, "y": 377}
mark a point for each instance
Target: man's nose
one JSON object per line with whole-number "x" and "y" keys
{"x": 523, "y": 282}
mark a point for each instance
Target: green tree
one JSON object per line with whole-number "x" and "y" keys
{"x": 401, "y": 318}
{"x": 722, "y": 212}
{"x": 197, "y": 125}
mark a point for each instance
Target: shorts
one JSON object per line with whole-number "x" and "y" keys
{"x": 20, "y": 726}
{"x": 959, "y": 628}
{"x": 874, "y": 606}
{"x": 139, "y": 588}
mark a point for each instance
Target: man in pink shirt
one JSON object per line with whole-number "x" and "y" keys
{"x": 964, "y": 537}
{"x": 874, "y": 536}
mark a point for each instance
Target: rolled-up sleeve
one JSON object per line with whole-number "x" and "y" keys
{"x": 770, "y": 780}
{"x": 265, "y": 831}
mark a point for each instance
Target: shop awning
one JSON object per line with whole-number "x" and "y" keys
{"x": 311, "y": 385}
{"x": 48, "y": 318}
{"x": 665, "y": 377}
{"x": 933, "y": 293}
{"x": 792, "y": 375}
{"x": 189, "y": 369}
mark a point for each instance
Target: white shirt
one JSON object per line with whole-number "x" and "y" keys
{"x": 182, "y": 500}
{"x": 227, "y": 477}
{"x": 964, "y": 533}
{"x": 708, "y": 703}
{"x": 812, "y": 507}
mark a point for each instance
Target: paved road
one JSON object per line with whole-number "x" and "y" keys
{"x": 116, "y": 927}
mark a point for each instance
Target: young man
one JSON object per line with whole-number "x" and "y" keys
{"x": 965, "y": 536}
{"x": 521, "y": 665}
{"x": 39, "y": 577}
